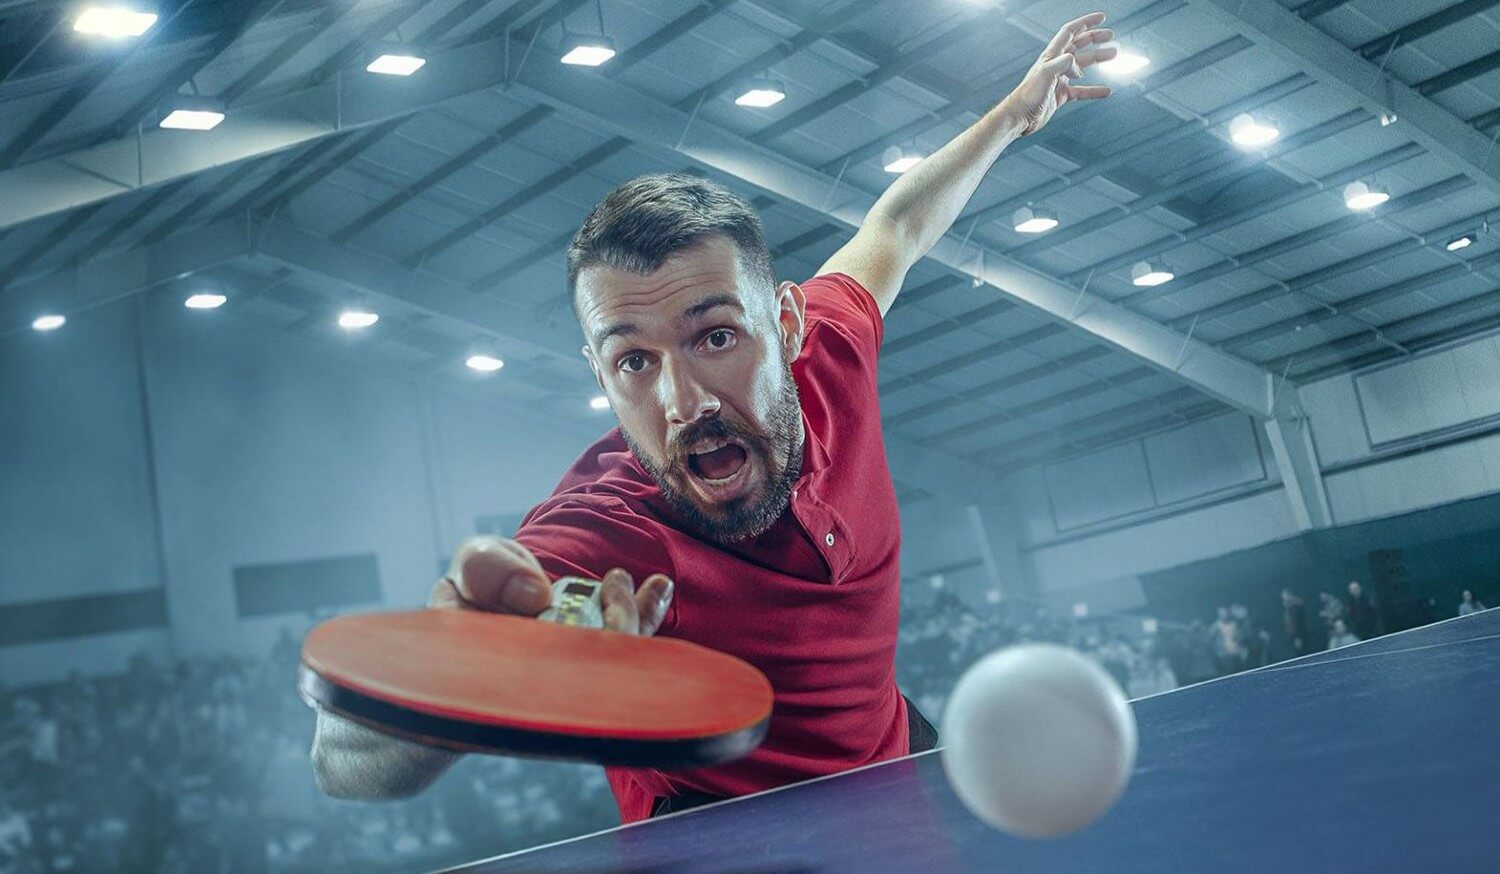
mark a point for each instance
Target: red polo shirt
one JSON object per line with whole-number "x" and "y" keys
{"x": 813, "y": 603}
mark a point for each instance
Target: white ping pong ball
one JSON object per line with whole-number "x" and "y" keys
{"x": 1039, "y": 741}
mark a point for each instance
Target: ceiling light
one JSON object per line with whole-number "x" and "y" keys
{"x": 761, "y": 93}
{"x": 1124, "y": 63}
{"x": 396, "y": 64}
{"x": 587, "y": 51}
{"x": 1250, "y": 132}
{"x": 113, "y": 21}
{"x": 192, "y": 119}
{"x": 599, "y": 402}
{"x": 1034, "y": 219}
{"x": 1363, "y": 195}
{"x": 484, "y": 363}
{"x": 351, "y": 320}
{"x": 205, "y": 300}
{"x": 1460, "y": 242}
{"x": 1151, "y": 273}
{"x": 50, "y": 322}
{"x": 192, "y": 112}
{"x": 898, "y": 160}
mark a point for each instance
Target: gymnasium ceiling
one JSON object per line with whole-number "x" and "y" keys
{"x": 445, "y": 200}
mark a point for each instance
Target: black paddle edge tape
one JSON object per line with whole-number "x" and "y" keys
{"x": 469, "y": 737}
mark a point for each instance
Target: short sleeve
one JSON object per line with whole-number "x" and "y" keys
{"x": 840, "y": 299}
{"x": 574, "y": 537}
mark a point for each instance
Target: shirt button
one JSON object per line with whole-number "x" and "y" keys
{"x": 829, "y": 539}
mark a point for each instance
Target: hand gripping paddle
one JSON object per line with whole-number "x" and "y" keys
{"x": 554, "y": 687}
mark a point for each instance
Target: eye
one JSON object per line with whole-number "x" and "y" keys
{"x": 633, "y": 363}
{"x": 720, "y": 339}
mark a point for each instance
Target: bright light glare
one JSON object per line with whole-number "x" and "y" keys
{"x": 760, "y": 98}
{"x": 192, "y": 119}
{"x": 599, "y": 402}
{"x": 1248, "y": 131}
{"x": 1123, "y": 64}
{"x": 355, "y": 319}
{"x": 1361, "y": 196}
{"x": 588, "y": 51}
{"x": 1033, "y": 220}
{"x": 113, "y": 21}
{"x": 205, "y": 300}
{"x": 1038, "y": 225}
{"x": 49, "y": 322}
{"x": 1458, "y": 243}
{"x": 484, "y": 363}
{"x": 1149, "y": 274}
{"x": 396, "y": 65}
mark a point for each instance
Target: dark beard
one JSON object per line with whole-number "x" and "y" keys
{"x": 780, "y": 453}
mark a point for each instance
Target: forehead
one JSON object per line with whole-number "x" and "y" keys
{"x": 609, "y": 296}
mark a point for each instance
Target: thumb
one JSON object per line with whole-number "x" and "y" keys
{"x": 493, "y": 573}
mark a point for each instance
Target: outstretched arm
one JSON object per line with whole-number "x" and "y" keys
{"x": 920, "y": 206}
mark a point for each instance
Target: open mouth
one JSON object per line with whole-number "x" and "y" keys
{"x": 718, "y": 467}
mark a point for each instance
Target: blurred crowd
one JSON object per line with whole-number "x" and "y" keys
{"x": 941, "y": 637}
{"x": 203, "y": 767}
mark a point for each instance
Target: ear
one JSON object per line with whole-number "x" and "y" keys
{"x": 791, "y": 318}
{"x": 588, "y": 354}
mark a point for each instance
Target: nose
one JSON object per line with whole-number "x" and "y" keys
{"x": 685, "y": 398}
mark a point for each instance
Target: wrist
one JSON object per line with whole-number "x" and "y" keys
{"x": 1009, "y": 119}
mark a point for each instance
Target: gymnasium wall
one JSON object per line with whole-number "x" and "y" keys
{"x": 175, "y": 459}
{"x": 1421, "y": 433}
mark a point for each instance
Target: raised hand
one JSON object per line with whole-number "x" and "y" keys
{"x": 1048, "y": 84}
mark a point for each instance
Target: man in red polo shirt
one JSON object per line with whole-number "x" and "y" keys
{"x": 746, "y": 487}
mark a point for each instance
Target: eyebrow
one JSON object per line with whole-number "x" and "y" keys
{"x": 696, "y": 311}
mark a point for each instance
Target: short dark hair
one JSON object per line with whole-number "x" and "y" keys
{"x": 650, "y": 217}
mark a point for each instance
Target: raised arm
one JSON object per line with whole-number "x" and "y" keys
{"x": 920, "y": 206}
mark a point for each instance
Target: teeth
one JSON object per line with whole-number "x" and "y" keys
{"x": 708, "y": 446}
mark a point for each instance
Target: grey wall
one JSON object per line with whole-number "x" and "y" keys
{"x": 147, "y": 445}
{"x": 1421, "y": 433}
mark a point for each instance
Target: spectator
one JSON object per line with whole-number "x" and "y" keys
{"x": 1469, "y": 604}
{"x": 1340, "y": 635}
{"x": 1294, "y": 621}
{"x": 1229, "y": 651}
{"x": 1364, "y": 618}
{"x": 1331, "y": 609}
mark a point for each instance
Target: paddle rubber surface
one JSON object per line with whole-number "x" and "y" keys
{"x": 482, "y": 682}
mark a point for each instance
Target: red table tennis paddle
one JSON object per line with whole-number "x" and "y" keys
{"x": 490, "y": 683}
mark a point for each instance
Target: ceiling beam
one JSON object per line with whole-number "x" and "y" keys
{"x": 1354, "y": 78}
{"x": 157, "y": 157}
{"x": 1423, "y": 27}
{"x": 669, "y": 131}
{"x": 115, "y": 277}
{"x": 1249, "y": 212}
{"x": 89, "y": 82}
{"x": 982, "y": 95}
{"x": 1304, "y": 283}
{"x": 444, "y": 299}
{"x": 1328, "y": 230}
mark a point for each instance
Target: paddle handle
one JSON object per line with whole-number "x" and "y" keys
{"x": 576, "y": 601}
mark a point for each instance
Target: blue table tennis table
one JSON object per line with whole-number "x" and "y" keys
{"x": 1379, "y": 757}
